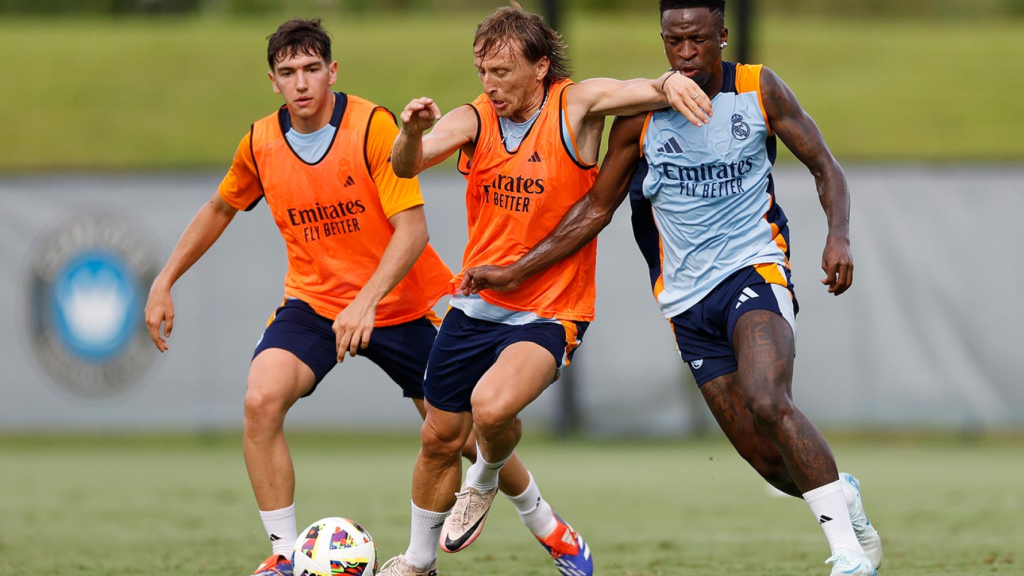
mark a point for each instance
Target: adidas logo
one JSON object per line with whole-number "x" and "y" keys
{"x": 822, "y": 519}
{"x": 438, "y": 525}
{"x": 274, "y": 537}
{"x": 350, "y": 181}
{"x": 671, "y": 147}
{"x": 747, "y": 295}
{"x": 535, "y": 157}
{"x": 568, "y": 539}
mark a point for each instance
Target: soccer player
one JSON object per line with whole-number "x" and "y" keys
{"x": 528, "y": 147}
{"x": 717, "y": 244}
{"x": 361, "y": 277}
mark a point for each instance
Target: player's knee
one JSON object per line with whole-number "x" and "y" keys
{"x": 264, "y": 408}
{"x": 492, "y": 420}
{"x": 440, "y": 443}
{"x": 770, "y": 408}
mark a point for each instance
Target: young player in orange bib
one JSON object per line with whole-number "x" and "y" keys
{"x": 362, "y": 279}
{"x": 529, "y": 147}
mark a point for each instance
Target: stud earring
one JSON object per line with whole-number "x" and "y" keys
{"x": 724, "y": 44}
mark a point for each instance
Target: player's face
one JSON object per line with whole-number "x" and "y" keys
{"x": 514, "y": 85}
{"x": 305, "y": 83}
{"x": 693, "y": 40}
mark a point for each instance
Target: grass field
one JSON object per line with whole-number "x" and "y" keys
{"x": 182, "y": 506}
{"x": 175, "y": 93}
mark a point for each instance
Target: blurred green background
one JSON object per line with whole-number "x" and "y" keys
{"x": 173, "y": 84}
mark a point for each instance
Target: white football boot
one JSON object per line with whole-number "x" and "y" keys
{"x": 868, "y": 537}
{"x": 848, "y": 563}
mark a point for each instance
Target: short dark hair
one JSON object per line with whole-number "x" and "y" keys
{"x": 512, "y": 24}
{"x": 717, "y": 6}
{"x": 298, "y": 36}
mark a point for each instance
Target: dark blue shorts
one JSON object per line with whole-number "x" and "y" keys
{"x": 466, "y": 348}
{"x": 704, "y": 332}
{"x": 401, "y": 351}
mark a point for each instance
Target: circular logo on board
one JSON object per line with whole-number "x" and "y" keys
{"x": 87, "y": 285}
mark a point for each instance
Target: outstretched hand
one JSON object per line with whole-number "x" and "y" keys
{"x": 837, "y": 262}
{"x": 420, "y": 116}
{"x": 489, "y": 277}
{"x": 686, "y": 97}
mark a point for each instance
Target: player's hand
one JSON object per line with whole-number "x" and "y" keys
{"x": 352, "y": 328}
{"x": 497, "y": 278}
{"x": 687, "y": 98}
{"x": 419, "y": 116}
{"x": 837, "y": 262}
{"x": 159, "y": 310}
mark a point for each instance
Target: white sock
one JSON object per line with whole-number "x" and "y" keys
{"x": 484, "y": 475}
{"x": 535, "y": 511}
{"x": 828, "y": 504}
{"x": 423, "y": 538}
{"x": 280, "y": 527}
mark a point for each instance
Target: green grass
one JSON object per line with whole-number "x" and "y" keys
{"x": 169, "y": 93}
{"x": 182, "y": 506}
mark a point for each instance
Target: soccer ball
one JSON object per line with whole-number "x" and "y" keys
{"x": 334, "y": 547}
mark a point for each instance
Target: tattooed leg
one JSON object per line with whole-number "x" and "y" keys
{"x": 763, "y": 343}
{"x": 725, "y": 400}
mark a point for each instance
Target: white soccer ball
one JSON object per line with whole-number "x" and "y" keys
{"x": 334, "y": 547}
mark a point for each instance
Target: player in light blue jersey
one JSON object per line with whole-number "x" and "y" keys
{"x": 717, "y": 244}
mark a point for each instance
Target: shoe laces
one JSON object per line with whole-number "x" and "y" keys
{"x": 393, "y": 561}
{"x": 468, "y": 502}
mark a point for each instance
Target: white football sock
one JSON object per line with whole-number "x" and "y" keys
{"x": 535, "y": 511}
{"x": 484, "y": 475}
{"x": 828, "y": 504}
{"x": 280, "y": 527}
{"x": 423, "y": 538}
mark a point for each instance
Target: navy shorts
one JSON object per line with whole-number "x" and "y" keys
{"x": 704, "y": 332}
{"x": 401, "y": 350}
{"x": 466, "y": 348}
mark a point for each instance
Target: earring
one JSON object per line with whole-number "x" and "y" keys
{"x": 724, "y": 44}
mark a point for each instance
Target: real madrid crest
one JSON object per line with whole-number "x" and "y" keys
{"x": 740, "y": 129}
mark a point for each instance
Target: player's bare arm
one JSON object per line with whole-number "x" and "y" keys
{"x": 581, "y": 224}
{"x": 414, "y": 152}
{"x": 590, "y": 101}
{"x": 354, "y": 324}
{"x": 204, "y": 229}
{"x": 801, "y": 135}
{"x": 609, "y": 97}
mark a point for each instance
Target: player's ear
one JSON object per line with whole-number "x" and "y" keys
{"x": 270, "y": 75}
{"x": 333, "y": 69}
{"x": 542, "y": 67}
{"x": 724, "y": 36}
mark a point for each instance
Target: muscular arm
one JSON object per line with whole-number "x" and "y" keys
{"x": 204, "y": 229}
{"x": 587, "y": 217}
{"x": 801, "y": 135}
{"x": 413, "y": 152}
{"x": 588, "y": 102}
{"x": 600, "y": 97}
{"x": 355, "y": 323}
